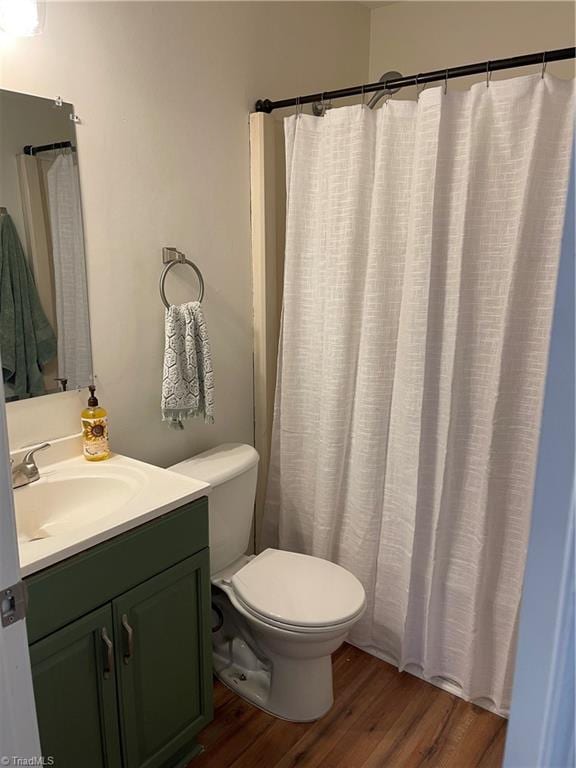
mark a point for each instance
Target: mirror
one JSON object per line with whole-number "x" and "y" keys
{"x": 44, "y": 321}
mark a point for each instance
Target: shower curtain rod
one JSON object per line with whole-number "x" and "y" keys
{"x": 30, "y": 150}
{"x": 438, "y": 75}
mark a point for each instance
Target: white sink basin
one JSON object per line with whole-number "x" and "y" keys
{"x": 77, "y": 504}
{"x": 56, "y": 505}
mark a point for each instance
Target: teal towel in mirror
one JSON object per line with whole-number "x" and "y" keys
{"x": 27, "y": 341}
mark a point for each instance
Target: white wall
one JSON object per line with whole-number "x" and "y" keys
{"x": 164, "y": 91}
{"x": 413, "y": 37}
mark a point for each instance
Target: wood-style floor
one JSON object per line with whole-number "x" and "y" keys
{"x": 380, "y": 717}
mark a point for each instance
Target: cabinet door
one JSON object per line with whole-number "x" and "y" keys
{"x": 75, "y": 692}
{"x": 164, "y": 663}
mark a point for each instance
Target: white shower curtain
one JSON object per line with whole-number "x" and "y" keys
{"x": 71, "y": 290}
{"x": 421, "y": 256}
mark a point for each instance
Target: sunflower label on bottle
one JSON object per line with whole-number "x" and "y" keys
{"x": 94, "y": 430}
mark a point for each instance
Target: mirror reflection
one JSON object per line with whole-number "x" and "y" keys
{"x": 44, "y": 322}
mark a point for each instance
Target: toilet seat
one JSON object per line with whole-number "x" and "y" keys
{"x": 317, "y": 630}
{"x": 298, "y": 593}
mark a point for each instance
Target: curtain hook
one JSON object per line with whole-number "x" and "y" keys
{"x": 543, "y": 64}
{"x": 298, "y": 111}
{"x": 417, "y": 89}
{"x": 363, "y": 96}
{"x": 445, "y": 82}
{"x": 488, "y": 74}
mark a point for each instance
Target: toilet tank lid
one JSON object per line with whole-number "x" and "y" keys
{"x": 219, "y": 464}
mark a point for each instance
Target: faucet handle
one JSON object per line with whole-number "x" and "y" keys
{"x": 29, "y": 457}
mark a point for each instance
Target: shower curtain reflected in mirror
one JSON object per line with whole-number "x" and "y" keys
{"x": 74, "y": 345}
{"x": 421, "y": 257}
{"x": 52, "y": 212}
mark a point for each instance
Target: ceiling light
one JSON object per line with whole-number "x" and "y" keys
{"x": 22, "y": 18}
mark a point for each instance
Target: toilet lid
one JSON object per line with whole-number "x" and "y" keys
{"x": 299, "y": 590}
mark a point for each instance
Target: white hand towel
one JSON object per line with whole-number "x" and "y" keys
{"x": 188, "y": 379}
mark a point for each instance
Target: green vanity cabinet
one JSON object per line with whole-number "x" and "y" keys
{"x": 120, "y": 647}
{"x": 159, "y": 638}
{"x": 75, "y": 691}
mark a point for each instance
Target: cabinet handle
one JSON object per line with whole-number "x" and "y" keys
{"x": 109, "y": 653}
{"x": 130, "y": 637}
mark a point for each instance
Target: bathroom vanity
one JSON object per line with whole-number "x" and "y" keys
{"x": 118, "y": 621}
{"x": 113, "y": 554}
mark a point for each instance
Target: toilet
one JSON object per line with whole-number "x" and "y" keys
{"x": 277, "y": 616}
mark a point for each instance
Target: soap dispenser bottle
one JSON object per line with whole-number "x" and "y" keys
{"x": 94, "y": 429}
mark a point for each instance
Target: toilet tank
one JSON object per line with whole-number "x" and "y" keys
{"x": 232, "y": 471}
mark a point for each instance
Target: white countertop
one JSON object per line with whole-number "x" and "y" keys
{"x": 149, "y": 493}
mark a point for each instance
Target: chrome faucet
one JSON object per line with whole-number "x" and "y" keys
{"x": 27, "y": 472}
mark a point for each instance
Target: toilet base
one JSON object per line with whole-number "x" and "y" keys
{"x": 297, "y": 688}
{"x": 239, "y": 669}
{"x": 306, "y": 698}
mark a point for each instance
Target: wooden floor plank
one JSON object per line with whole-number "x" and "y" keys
{"x": 312, "y": 751}
{"x": 381, "y": 718}
{"x": 470, "y": 738}
{"x": 494, "y": 752}
{"x": 418, "y": 745}
{"x": 375, "y": 717}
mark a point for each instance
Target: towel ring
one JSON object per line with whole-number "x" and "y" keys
{"x": 168, "y": 267}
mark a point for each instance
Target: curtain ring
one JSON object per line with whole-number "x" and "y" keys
{"x": 418, "y": 89}
{"x": 543, "y": 64}
{"x": 488, "y": 74}
{"x": 445, "y": 82}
